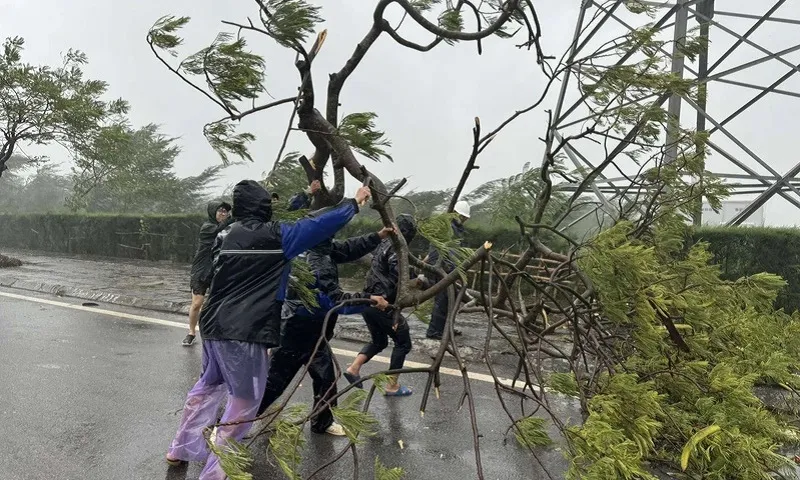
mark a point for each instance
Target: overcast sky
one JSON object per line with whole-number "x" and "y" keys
{"x": 425, "y": 101}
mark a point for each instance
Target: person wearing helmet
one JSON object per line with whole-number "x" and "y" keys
{"x": 302, "y": 326}
{"x": 242, "y": 318}
{"x": 382, "y": 280}
{"x": 440, "y": 303}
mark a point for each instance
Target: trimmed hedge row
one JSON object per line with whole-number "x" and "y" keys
{"x": 741, "y": 251}
{"x": 738, "y": 251}
{"x": 153, "y": 237}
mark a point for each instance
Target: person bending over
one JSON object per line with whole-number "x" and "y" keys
{"x": 382, "y": 280}
{"x": 303, "y": 326}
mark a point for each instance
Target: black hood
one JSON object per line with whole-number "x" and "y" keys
{"x": 213, "y": 207}
{"x": 251, "y": 200}
{"x": 407, "y": 226}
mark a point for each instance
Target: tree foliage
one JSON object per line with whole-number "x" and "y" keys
{"x": 33, "y": 188}
{"x": 132, "y": 170}
{"x": 41, "y": 104}
{"x": 659, "y": 352}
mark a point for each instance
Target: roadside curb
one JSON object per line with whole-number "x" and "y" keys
{"x": 353, "y": 330}
{"x": 95, "y": 296}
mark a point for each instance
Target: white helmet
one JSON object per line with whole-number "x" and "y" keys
{"x": 462, "y": 208}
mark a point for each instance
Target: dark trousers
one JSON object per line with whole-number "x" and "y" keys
{"x": 439, "y": 314}
{"x": 380, "y": 329}
{"x": 295, "y": 351}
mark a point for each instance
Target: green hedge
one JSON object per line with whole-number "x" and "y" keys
{"x": 738, "y": 251}
{"x": 154, "y": 237}
{"x": 742, "y": 251}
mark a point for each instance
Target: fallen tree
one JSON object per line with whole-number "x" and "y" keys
{"x": 659, "y": 352}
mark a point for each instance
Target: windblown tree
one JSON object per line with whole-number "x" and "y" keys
{"x": 132, "y": 171}
{"x": 41, "y": 105}
{"x": 33, "y": 188}
{"x": 634, "y": 326}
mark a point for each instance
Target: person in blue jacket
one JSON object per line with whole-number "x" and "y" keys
{"x": 303, "y": 326}
{"x": 241, "y": 318}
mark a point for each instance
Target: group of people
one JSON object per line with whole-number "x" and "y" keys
{"x": 257, "y": 333}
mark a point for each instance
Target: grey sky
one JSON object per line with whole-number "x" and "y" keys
{"x": 425, "y": 101}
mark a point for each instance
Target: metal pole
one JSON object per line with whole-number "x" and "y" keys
{"x": 573, "y": 50}
{"x": 762, "y": 199}
{"x": 702, "y": 71}
{"x": 674, "y": 108}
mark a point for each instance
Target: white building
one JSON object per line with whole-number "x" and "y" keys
{"x": 729, "y": 210}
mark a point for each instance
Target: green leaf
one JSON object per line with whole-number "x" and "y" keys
{"x": 301, "y": 280}
{"x": 564, "y": 383}
{"x": 287, "y": 442}
{"x": 384, "y": 473}
{"x": 359, "y": 131}
{"x": 438, "y": 231}
{"x": 424, "y": 311}
{"x": 530, "y": 432}
{"x": 290, "y": 22}
{"x": 693, "y": 442}
{"x": 162, "y": 33}
{"x": 357, "y": 424}
{"x": 380, "y": 381}
{"x": 424, "y": 5}
{"x": 224, "y": 140}
{"x": 230, "y": 71}
{"x": 451, "y": 20}
{"x": 234, "y": 459}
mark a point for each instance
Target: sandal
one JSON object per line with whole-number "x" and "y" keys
{"x": 354, "y": 379}
{"x": 173, "y": 462}
{"x": 403, "y": 391}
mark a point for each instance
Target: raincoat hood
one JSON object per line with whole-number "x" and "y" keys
{"x": 213, "y": 207}
{"x": 251, "y": 200}
{"x": 407, "y": 227}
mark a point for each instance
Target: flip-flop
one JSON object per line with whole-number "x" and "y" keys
{"x": 354, "y": 379}
{"x": 403, "y": 391}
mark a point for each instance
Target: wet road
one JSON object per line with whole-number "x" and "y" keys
{"x": 91, "y": 395}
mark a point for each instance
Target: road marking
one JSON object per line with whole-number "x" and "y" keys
{"x": 482, "y": 377}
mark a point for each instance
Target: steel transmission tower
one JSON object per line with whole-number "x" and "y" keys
{"x": 713, "y": 67}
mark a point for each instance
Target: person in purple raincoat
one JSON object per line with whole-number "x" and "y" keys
{"x": 242, "y": 317}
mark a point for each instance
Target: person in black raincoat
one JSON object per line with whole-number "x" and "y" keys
{"x": 440, "y": 302}
{"x": 218, "y": 219}
{"x": 382, "y": 280}
{"x": 241, "y": 319}
{"x": 302, "y": 327}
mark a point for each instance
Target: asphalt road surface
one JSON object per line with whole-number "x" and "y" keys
{"x": 96, "y": 393}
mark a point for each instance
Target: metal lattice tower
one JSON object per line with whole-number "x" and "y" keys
{"x": 732, "y": 58}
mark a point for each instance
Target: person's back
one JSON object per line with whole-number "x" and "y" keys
{"x": 241, "y": 320}
{"x": 252, "y": 266}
